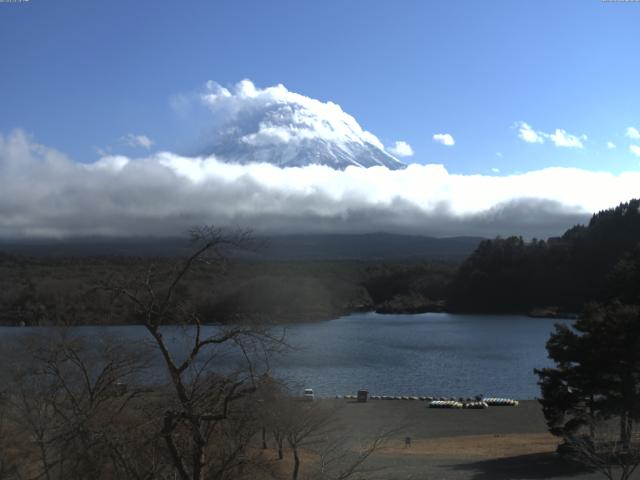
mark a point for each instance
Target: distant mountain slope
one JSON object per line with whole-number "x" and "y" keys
{"x": 375, "y": 246}
{"x": 337, "y": 155}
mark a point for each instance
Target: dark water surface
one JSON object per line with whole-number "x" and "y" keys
{"x": 434, "y": 354}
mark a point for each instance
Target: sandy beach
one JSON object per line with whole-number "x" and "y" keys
{"x": 494, "y": 443}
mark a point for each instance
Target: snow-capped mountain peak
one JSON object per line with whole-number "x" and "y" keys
{"x": 283, "y": 128}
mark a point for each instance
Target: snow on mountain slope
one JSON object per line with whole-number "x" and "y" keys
{"x": 283, "y": 128}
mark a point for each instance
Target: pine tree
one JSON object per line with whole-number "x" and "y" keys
{"x": 597, "y": 373}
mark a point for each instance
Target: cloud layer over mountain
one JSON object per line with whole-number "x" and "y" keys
{"x": 44, "y": 193}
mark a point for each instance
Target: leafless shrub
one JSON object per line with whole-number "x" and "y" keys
{"x": 603, "y": 451}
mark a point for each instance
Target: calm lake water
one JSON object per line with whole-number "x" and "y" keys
{"x": 435, "y": 354}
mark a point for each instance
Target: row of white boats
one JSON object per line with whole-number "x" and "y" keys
{"x": 445, "y": 402}
{"x": 477, "y": 404}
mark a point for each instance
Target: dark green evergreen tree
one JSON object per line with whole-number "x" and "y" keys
{"x": 597, "y": 372}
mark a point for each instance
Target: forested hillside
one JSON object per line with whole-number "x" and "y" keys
{"x": 597, "y": 262}
{"x": 70, "y": 290}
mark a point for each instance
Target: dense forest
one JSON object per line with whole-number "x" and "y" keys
{"x": 43, "y": 290}
{"x": 596, "y": 262}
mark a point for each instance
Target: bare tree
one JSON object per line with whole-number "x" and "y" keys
{"x": 313, "y": 428}
{"x": 203, "y": 388}
{"x": 8, "y": 467}
{"x": 272, "y": 398}
{"x": 339, "y": 460}
{"x": 305, "y": 425}
{"x": 65, "y": 407}
{"x": 603, "y": 450}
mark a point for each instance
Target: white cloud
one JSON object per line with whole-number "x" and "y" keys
{"x": 401, "y": 149}
{"x": 563, "y": 139}
{"x": 560, "y": 138}
{"x": 611, "y": 145}
{"x": 635, "y": 149}
{"x": 495, "y": 170}
{"x": 43, "y": 192}
{"x": 444, "y": 139}
{"x": 136, "y": 141}
{"x": 632, "y": 133}
{"x": 528, "y": 134}
{"x": 305, "y": 117}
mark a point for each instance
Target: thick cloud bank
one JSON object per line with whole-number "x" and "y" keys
{"x": 44, "y": 193}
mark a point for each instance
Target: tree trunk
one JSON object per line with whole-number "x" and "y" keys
{"x": 199, "y": 461}
{"x": 279, "y": 441}
{"x": 625, "y": 430}
{"x": 592, "y": 428}
{"x": 296, "y": 464}
{"x": 264, "y": 438}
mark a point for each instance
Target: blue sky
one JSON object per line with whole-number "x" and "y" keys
{"x": 79, "y": 75}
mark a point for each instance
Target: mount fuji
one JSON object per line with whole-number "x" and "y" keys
{"x": 286, "y": 129}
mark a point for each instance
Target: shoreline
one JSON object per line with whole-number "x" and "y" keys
{"x": 458, "y": 444}
{"x": 542, "y": 313}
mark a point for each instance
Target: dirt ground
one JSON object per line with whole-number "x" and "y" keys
{"x": 496, "y": 443}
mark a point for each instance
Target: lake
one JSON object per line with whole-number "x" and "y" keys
{"x": 435, "y": 354}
